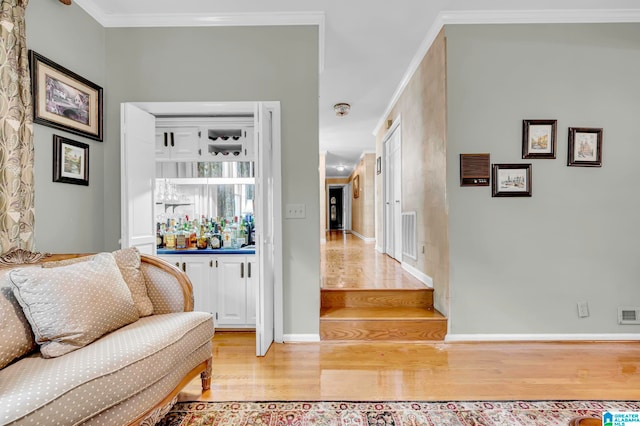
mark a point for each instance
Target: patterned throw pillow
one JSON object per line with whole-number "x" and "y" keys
{"x": 16, "y": 338}
{"x": 128, "y": 260}
{"x": 71, "y": 306}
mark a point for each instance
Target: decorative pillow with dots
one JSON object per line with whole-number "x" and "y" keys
{"x": 16, "y": 337}
{"x": 71, "y": 306}
{"x": 129, "y": 263}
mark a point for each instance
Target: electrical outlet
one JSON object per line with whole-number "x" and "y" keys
{"x": 583, "y": 309}
{"x": 295, "y": 211}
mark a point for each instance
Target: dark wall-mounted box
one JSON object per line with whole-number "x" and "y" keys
{"x": 475, "y": 169}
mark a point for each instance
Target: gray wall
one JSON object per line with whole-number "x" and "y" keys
{"x": 182, "y": 64}
{"x": 519, "y": 265}
{"x": 69, "y": 218}
{"x": 232, "y": 64}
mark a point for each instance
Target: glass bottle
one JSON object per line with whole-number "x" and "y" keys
{"x": 169, "y": 238}
{"x": 182, "y": 236}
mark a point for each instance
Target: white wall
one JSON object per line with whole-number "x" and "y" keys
{"x": 520, "y": 265}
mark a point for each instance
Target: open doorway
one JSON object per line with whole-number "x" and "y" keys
{"x": 335, "y": 208}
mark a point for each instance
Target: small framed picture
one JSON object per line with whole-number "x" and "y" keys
{"x": 585, "y": 147}
{"x": 70, "y": 161}
{"x": 539, "y": 138}
{"x": 511, "y": 180}
{"x": 64, "y": 100}
{"x": 356, "y": 186}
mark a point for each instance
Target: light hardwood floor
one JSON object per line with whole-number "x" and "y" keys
{"x": 412, "y": 370}
{"x": 347, "y": 262}
{"x": 420, "y": 371}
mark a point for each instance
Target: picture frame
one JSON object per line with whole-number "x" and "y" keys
{"x": 378, "y": 165}
{"x": 356, "y": 186}
{"x": 64, "y": 100}
{"x": 70, "y": 161}
{"x": 539, "y": 138}
{"x": 585, "y": 147}
{"x": 511, "y": 180}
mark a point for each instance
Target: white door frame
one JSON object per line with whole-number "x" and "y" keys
{"x": 243, "y": 108}
{"x": 346, "y": 205}
{"x": 385, "y": 179}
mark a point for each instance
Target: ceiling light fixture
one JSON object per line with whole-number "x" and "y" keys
{"x": 342, "y": 109}
{"x": 340, "y": 168}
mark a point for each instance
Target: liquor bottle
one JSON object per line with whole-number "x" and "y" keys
{"x": 159, "y": 240}
{"x": 203, "y": 238}
{"x": 182, "y": 236}
{"x": 169, "y": 238}
{"x": 193, "y": 234}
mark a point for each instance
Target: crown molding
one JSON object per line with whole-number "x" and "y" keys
{"x": 586, "y": 16}
{"x": 211, "y": 20}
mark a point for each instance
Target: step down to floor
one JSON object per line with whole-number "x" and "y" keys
{"x": 382, "y": 324}
{"x": 372, "y": 298}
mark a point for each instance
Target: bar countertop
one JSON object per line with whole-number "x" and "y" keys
{"x": 244, "y": 250}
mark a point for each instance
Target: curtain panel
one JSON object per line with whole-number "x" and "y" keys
{"x": 16, "y": 131}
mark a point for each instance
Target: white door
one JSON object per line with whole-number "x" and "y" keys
{"x": 264, "y": 230}
{"x": 393, "y": 194}
{"x": 138, "y": 171}
{"x": 397, "y": 196}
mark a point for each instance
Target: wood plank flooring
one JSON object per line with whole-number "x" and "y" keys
{"x": 420, "y": 371}
{"x": 348, "y": 262}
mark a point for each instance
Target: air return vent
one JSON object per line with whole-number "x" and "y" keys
{"x": 409, "y": 246}
{"x": 628, "y": 315}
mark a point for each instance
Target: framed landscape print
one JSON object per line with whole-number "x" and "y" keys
{"x": 64, "y": 100}
{"x": 539, "y": 138}
{"x": 511, "y": 180}
{"x": 70, "y": 161}
{"x": 585, "y": 147}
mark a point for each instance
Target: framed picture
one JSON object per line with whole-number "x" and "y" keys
{"x": 585, "y": 147}
{"x": 356, "y": 186}
{"x": 70, "y": 161}
{"x": 378, "y": 165}
{"x": 64, "y": 100}
{"x": 539, "y": 138}
{"x": 511, "y": 180}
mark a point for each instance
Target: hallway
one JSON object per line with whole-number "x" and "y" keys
{"x": 347, "y": 262}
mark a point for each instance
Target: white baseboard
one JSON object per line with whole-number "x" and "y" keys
{"x": 424, "y": 278}
{"x": 585, "y": 337}
{"x": 363, "y": 238}
{"x": 294, "y": 338}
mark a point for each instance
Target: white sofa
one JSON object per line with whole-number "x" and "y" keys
{"x": 130, "y": 375}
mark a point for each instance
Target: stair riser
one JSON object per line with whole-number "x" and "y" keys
{"x": 376, "y": 298}
{"x": 385, "y": 330}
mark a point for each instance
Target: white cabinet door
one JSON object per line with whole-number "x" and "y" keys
{"x": 177, "y": 144}
{"x": 232, "y": 292}
{"x": 252, "y": 289}
{"x": 198, "y": 269}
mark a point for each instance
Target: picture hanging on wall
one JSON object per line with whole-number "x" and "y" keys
{"x": 539, "y": 138}
{"x": 64, "y": 100}
{"x": 511, "y": 180}
{"x": 70, "y": 161}
{"x": 356, "y": 186}
{"x": 585, "y": 147}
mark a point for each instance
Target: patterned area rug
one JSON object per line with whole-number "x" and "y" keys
{"x": 451, "y": 413}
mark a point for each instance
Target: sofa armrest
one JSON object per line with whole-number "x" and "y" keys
{"x": 168, "y": 287}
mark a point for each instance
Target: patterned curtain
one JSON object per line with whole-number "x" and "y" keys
{"x": 16, "y": 131}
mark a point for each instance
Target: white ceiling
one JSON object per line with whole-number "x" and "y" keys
{"x": 368, "y": 47}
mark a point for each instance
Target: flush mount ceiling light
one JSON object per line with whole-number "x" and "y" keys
{"x": 342, "y": 109}
{"x": 340, "y": 168}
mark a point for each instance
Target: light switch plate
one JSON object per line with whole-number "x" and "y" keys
{"x": 295, "y": 211}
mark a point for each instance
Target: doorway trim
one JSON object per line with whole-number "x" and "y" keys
{"x": 385, "y": 176}
{"x": 244, "y": 108}
{"x": 346, "y": 205}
